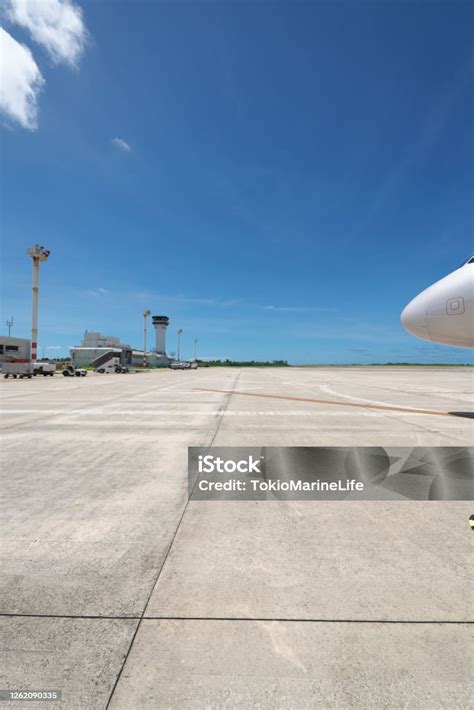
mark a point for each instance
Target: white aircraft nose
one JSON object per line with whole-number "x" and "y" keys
{"x": 413, "y": 318}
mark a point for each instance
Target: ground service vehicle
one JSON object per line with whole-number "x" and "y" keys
{"x": 71, "y": 371}
{"x": 18, "y": 369}
{"x": 114, "y": 366}
{"x": 108, "y": 362}
{"x": 183, "y": 365}
{"x": 44, "y": 368}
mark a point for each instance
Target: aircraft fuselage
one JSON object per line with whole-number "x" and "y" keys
{"x": 444, "y": 312}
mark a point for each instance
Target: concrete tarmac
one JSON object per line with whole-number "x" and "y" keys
{"x": 119, "y": 592}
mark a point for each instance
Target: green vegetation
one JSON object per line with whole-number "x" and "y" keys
{"x": 388, "y": 364}
{"x": 422, "y": 364}
{"x": 285, "y": 363}
{"x": 242, "y": 363}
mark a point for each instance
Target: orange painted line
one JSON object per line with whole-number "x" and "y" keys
{"x": 360, "y": 405}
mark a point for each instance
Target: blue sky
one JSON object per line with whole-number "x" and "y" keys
{"x": 288, "y": 175}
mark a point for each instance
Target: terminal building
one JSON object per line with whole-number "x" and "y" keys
{"x": 14, "y": 349}
{"x": 94, "y": 344}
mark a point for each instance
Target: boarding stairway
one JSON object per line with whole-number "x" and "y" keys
{"x": 104, "y": 359}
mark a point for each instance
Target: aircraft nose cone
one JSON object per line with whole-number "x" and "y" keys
{"x": 413, "y": 318}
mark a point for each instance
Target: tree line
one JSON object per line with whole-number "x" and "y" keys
{"x": 243, "y": 363}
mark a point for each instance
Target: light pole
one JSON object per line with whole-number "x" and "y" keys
{"x": 179, "y": 341}
{"x": 145, "y": 316}
{"x": 195, "y": 348}
{"x": 37, "y": 253}
{"x": 9, "y": 325}
{"x": 44, "y": 350}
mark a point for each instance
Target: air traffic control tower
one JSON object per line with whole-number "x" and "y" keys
{"x": 160, "y": 323}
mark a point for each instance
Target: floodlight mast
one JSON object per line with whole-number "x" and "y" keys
{"x": 145, "y": 316}
{"x": 179, "y": 343}
{"x": 38, "y": 253}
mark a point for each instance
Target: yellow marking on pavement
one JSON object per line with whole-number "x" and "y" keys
{"x": 359, "y": 405}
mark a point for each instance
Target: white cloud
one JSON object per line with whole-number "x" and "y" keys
{"x": 56, "y": 25}
{"x": 20, "y": 82}
{"x": 298, "y": 309}
{"x": 121, "y": 144}
{"x": 97, "y": 292}
{"x": 173, "y": 299}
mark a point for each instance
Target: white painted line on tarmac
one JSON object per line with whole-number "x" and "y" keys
{"x": 189, "y": 413}
{"x": 329, "y": 390}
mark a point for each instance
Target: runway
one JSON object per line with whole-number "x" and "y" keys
{"x": 119, "y": 592}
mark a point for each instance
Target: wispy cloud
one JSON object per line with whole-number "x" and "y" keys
{"x": 436, "y": 119}
{"x": 297, "y": 309}
{"x": 97, "y": 292}
{"x": 57, "y": 25}
{"x": 171, "y": 299}
{"x": 222, "y": 302}
{"x": 353, "y": 332}
{"x": 121, "y": 145}
{"x": 20, "y": 82}
{"x": 229, "y": 303}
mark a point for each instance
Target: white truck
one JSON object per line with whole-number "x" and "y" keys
{"x": 183, "y": 365}
{"x": 44, "y": 368}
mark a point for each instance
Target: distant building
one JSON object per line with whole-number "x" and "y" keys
{"x": 96, "y": 340}
{"x": 14, "y": 349}
{"x": 95, "y": 344}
